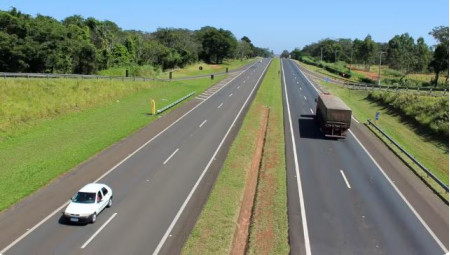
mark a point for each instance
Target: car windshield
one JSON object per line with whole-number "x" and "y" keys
{"x": 84, "y": 197}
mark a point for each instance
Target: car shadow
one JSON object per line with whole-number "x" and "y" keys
{"x": 309, "y": 128}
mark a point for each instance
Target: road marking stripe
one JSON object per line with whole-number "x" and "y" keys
{"x": 112, "y": 169}
{"x": 402, "y": 196}
{"x": 355, "y": 119}
{"x": 98, "y": 231}
{"x": 173, "y": 153}
{"x": 218, "y": 107}
{"x": 238, "y": 87}
{"x": 304, "y": 97}
{"x": 345, "y": 179}
{"x": 180, "y": 211}
{"x": 231, "y": 95}
{"x": 297, "y": 170}
{"x": 311, "y": 110}
{"x": 203, "y": 123}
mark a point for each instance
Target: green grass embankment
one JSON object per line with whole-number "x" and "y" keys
{"x": 50, "y": 126}
{"x": 214, "y": 230}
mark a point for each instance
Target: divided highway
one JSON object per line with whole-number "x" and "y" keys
{"x": 154, "y": 187}
{"x": 340, "y": 201}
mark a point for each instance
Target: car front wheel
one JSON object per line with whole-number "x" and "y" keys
{"x": 94, "y": 218}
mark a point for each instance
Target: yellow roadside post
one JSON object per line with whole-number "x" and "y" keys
{"x": 153, "y": 107}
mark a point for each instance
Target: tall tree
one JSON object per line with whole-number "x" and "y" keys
{"x": 439, "y": 62}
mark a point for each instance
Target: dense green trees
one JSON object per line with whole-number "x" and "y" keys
{"x": 79, "y": 45}
{"x": 401, "y": 53}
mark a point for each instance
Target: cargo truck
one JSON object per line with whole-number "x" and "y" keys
{"x": 333, "y": 116}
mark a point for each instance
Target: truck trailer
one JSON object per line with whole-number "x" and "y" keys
{"x": 333, "y": 116}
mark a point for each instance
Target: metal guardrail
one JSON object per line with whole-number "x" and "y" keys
{"x": 174, "y": 103}
{"x": 411, "y": 157}
{"x": 366, "y": 86}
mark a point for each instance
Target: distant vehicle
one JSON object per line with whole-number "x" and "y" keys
{"x": 333, "y": 115}
{"x": 87, "y": 203}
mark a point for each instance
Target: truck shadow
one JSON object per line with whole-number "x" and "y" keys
{"x": 309, "y": 128}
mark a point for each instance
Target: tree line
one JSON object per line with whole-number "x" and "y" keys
{"x": 43, "y": 44}
{"x": 401, "y": 53}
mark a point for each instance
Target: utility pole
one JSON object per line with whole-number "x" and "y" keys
{"x": 379, "y": 68}
{"x": 321, "y": 54}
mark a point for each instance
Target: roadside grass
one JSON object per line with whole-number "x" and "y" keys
{"x": 147, "y": 71}
{"x": 193, "y": 69}
{"x": 72, "y": 125}
{"x": 214, "y": 230}
{"x": 432, "y": 154}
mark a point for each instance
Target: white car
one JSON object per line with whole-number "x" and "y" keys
{"x": 88, "y": 203}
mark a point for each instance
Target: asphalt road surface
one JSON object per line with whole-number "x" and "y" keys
{"x": 342, "y": 202}
{"x": 155, "y": 186}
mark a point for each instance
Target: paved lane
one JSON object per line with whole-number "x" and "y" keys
{"x": 153, "y": 187}
{"x": 350, "y": 207}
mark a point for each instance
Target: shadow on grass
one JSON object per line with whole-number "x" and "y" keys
{"x": 420, "y": 129}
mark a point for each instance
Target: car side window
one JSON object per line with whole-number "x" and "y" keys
{"x": 99, "y": 196}
{"x": 105, "y": 191}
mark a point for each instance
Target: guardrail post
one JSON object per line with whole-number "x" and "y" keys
{"x": 170, "y": 75}
{"x": 226, "y": 70}
{"x": 212, "y": 76}
{"x": 445, "y": 90}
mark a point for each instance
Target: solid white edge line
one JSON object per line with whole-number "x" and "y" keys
{"x": 402, "y": 196}
{"x": 297, "y": 170}
{"x": 218, "y": 107}
{"x": 180, "y": 211}
{"x": 171, "y": 155}
{"x": 355, "y": 119}
{"x": 33, "y": 228}
{"x": 203, "y": 123}
{"x": 113, "y": 168}
{"x": 98, "y": 231}
{"x": 345, "y": 179}
{"x": 390, "y": 181}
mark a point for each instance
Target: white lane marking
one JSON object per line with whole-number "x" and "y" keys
{"x": 297, "y": 170}
{"x": 171, "y": 155}
{"x": 180, "y": 211}
{"x": 231, "y": 95}
{"x": 311, "y": 110}
{"x": 203, "y": 123}
{"x": 307, "y": 78}
{"x": 33, "y": 228}
{"x": 113, "y": 168}
{"x": 300, "y": 89}
{"x": 345, "y": 179}
{"x": 98, "y": 231}
{"x": 304, "y": 97}
{"x": 298, "y": 82}
{"x": 355, "y": 119}
{"x": 238, "y": 87}
{"x": 218, "y": 107}
{"x": 402, "y": 196}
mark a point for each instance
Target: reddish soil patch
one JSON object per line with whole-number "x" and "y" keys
{"x": 241, "y": 233}
{"x": 264, "y": 212}
{"x": 370, "y": 75}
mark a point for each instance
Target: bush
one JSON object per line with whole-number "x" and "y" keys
{"x": 430, "y": 112}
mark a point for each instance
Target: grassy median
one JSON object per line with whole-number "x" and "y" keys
{"x": 214, "y": 230}
{"x": 47, "y": 127}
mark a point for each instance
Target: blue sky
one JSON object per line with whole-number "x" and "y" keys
{"x": 278, "y": 25}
